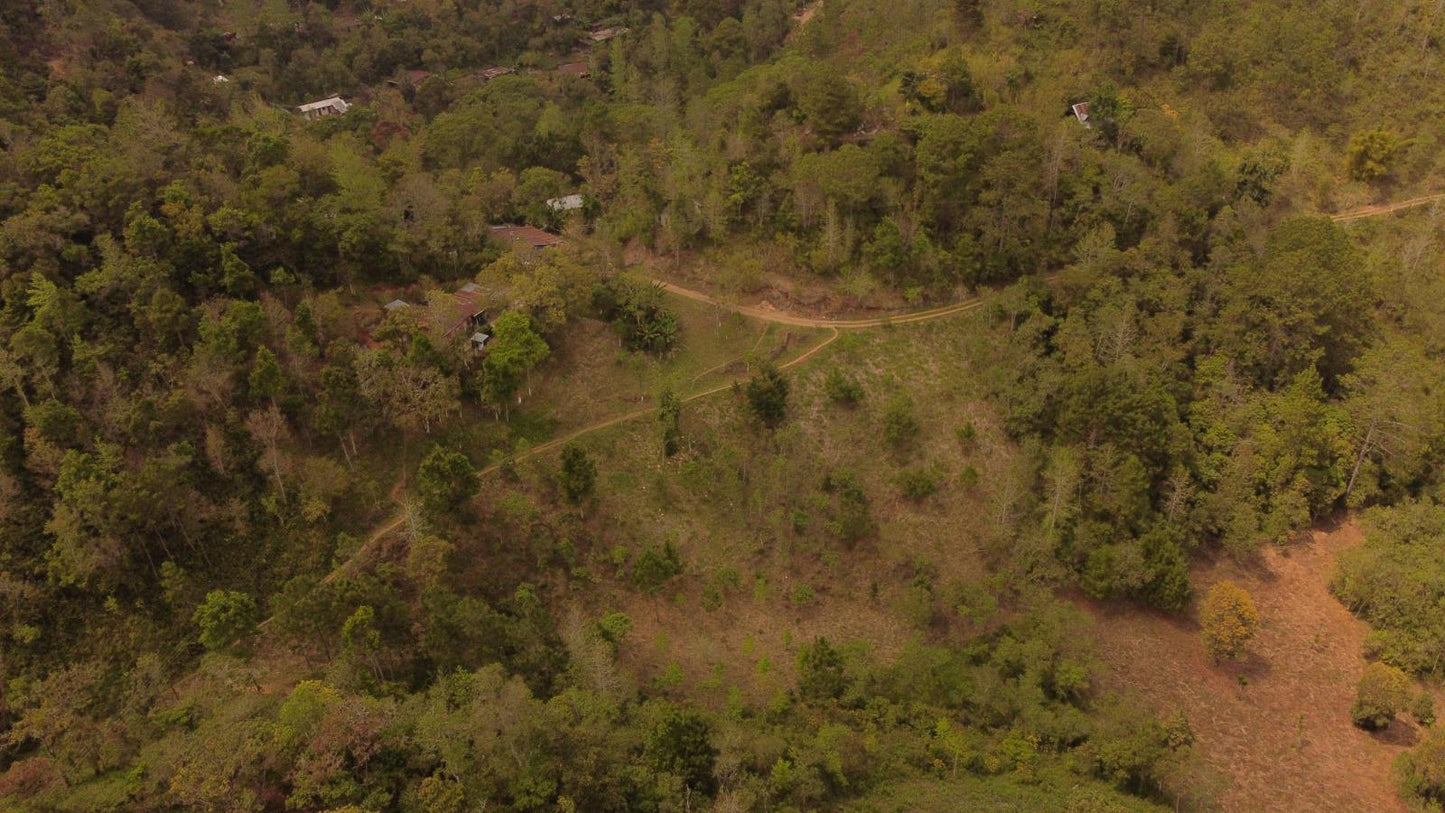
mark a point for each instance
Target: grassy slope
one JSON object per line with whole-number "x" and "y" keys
{"x": 731, "y": 510}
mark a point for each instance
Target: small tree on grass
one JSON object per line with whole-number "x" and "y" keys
{"x": 820, "y": 671}
{"x": 1230, "y": 621}
{"x": 578, "y": 475}
{"x": 900, "y": 427}
{"x": 445, "y": 479}
{"x": 842, "y": 388}
{"x": 767, "y": 394}
{"x": 669, "y": 414}
{"x": 1383, "y": 692}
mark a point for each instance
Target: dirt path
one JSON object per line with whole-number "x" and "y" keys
{"x": 1386, "y": 208}
{"x": 1277, "y": 726}
{"x": 768, "y": 314}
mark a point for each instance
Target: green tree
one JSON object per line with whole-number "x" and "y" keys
{"x": 514, "y": 350}
{"x": 446, "y": 479}
{"x": 828, "y": 101}
{"x": 1422, "y": 769}
{"x": 1383, "y": 692}
{"x": 820, "y": 671}
{"x": 266, "y": 379}
{"x": 226, "y": 619}
{"x": 680, "y": 743}
{"x": 767, "y": 395}
{"x": 1372, "y": 153}
{"x": 669, "y": 415}
{"x": 578, "y": 475}
{"x": 1306, "y": 301}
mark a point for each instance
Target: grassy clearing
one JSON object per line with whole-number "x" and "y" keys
{"x": 591, "y": 377}
{"x": 752, "y": 517}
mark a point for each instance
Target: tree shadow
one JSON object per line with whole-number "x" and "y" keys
{"x": 1400, "y": 732}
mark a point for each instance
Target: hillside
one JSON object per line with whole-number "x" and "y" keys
{"x": 591, "y": 405}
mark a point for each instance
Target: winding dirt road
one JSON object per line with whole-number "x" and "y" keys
{"x": 768, "y": 314}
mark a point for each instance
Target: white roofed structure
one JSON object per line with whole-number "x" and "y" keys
{"x": 333, "y": 106}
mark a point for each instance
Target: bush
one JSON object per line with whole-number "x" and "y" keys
{"x": 842, "y": 388}
{"x": 1229, "y": 621}
{"x": 1372, "y": 154}
{"x": 802, "y": 596}
{"x": 655, "y": 567}
{"x": 900, "y": 428}
{"x": 1383, "y": 692}
{"x": 854, "y": 519}
{"x": 918, "y": 484}
{"x": 1421, "y": 771}
{"x": 1423, "y": 709}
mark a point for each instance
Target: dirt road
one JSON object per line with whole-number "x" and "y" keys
{"x": 768, "y": 314}
{"x": 1386, "y": 208}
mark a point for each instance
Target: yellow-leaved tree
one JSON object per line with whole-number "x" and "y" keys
{"x": 1229, "y": 620}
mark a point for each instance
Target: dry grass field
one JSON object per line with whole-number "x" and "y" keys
{"x": 1276, "y": 724}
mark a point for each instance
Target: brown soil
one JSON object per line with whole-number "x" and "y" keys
{"x": 1277, "y": 724}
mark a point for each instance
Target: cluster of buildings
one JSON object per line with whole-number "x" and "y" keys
{"x": 466, "y": 312}
{"x": 335, "y": 105}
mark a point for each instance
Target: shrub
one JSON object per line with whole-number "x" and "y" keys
{"x": 969, "y": 476}
{"x": 967, "y": 436}
{"x": 853, "y": 519}
{"x": 655, "y": 567}
{"x": 1372, "y": 154}
{"x": 802, "y": 595}
{"x": 1421, "y": 771}
{"x": 842, "y": 388}
{"x": 919, "y": 483}
{"x": 900, "y": 428}
{"x": 1229, "y": 621}
{"x": 1383, "y": 692}
{"x": 1423, "y": 709}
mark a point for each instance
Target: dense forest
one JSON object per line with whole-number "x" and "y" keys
{"x": 267, "y": 545}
